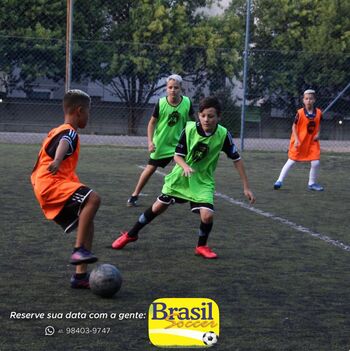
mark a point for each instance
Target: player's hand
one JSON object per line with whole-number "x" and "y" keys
{"x": 53, "y": 167}
{"x": 151, "y": 147}
{"x": 250, "y": 196}
{"x": 187, "y": 171}
{"x": 296, "y": 143}
{"x": 317, "y": 137}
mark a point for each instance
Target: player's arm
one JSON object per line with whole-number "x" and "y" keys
{"x": 317, "y": 136}
{"x": 241, "y": 171}
{"x": 61, "y": 151}
{"x": 181, "y": 162}
{"x": 150, "y": 131}
{"x": 180, "y": 154}
{"x": 295, "y": 132}
{"x": 151, "y": 127}
{"x": 231, "y": 151}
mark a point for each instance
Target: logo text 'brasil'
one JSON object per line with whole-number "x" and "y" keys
{"x": 183, "y": 322}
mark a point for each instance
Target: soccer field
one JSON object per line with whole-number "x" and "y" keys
{"x": 281, "y": 279}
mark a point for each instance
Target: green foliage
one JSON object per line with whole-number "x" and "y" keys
{"x": 299, "y": 44}
{"x": 158, "y": 38}
{"x": 128, "y": 46}
{"x": 31, "y": 38}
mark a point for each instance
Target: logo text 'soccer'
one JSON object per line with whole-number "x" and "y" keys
{"x": 189, "y": 322}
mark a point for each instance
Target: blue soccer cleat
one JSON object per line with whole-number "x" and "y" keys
{"x": 82, "y": 283}
{"x": 315, "y": 187}
{"x": 277, "y": 185}
{"x": 132, "y": 201}
{"x": 81, "y": 256}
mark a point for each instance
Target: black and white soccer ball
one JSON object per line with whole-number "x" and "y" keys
{"x": 210, "y": 338}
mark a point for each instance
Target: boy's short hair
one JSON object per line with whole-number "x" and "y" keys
{"x": 75, "y": 98}
{"x": 175, "y": 77}
{"x": 210, "y": 101}
{"x": 309, "y": 91}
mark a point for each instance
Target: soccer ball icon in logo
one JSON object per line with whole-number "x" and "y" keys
{"x": 210, "y": 338}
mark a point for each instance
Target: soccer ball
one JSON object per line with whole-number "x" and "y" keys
{"x": 105, "y": 280}
{"x": 210, "y": 338}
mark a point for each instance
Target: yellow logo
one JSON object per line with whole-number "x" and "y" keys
{"x": 189, "y": 322}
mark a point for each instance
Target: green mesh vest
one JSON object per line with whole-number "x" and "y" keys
{"x": 202, "y": 156}
{"x": 171, "y": 121}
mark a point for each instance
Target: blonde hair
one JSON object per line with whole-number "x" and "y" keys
{"x": 75, "y": 98}
{"x": 175, "y": 77}
{"x": 309, "y": 91}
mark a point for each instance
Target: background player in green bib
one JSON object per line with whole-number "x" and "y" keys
{"x": 192, "y": 179}
{"x": 168, "y": 119}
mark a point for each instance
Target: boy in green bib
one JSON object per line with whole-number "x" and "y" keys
{"x": 192, "y": 178}
{"x": 168, "y": 119}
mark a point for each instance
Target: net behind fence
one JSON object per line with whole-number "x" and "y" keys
{"x": 125, "y": 79}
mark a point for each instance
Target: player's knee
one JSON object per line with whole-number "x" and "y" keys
{"x": 159, "y": 207}
{"x": 207, "y": 217}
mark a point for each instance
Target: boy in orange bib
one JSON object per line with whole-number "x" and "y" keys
{"x": 304, "y": 142}
{"x": 62, "y": 197}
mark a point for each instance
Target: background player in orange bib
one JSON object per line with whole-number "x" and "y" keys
{"x": 57, "y": 188}
{"x": 304, "y": 142}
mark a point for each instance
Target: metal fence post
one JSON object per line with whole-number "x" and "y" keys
{"x": 69, "y": 33}
{"x": 245, "y": 71}
{"x": 336, "y": 99}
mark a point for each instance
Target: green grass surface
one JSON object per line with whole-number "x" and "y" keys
{"x": 277, "y": 288}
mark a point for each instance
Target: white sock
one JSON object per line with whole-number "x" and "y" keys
{"x": 315, "y": 167}
{"x": 288, "y": 165}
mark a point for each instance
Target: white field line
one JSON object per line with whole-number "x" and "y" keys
{"x": 284, "y": 221}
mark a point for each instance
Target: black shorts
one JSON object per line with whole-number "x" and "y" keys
{"x": 162, "y": 162}
{"x": 68, "y": 218}
{"x": 195, "y": 206}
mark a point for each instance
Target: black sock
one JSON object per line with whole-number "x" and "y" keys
{"x": 145, "y": 218}
{"x": 204, "y": 231}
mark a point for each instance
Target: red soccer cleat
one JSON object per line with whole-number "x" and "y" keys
{"x": 205, "y": 251}
{"x": 123, "y": 240}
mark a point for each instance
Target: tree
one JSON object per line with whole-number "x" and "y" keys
{"x": 298, "y": 45}
{"x": 129, "y": 46}
{"x": 31, "y": 40}
{"x": 156, "y": 38}
{"x": 33, "y": 35}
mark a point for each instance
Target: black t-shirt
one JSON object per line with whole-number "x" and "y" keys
{"x": 70, "y": 136}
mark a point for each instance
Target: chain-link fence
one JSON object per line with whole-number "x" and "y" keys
{"x": 125, "y": 79}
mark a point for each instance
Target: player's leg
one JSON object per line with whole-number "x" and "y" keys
{"x": 143, "y": 179}
{"x": 79, "y": 211}
{"x": 87, "y": 214}
{"x": 145, "y": 176}
{"x": 80, "y": 280}
{"x": 313, "y": 175}
{"x": 159, "y": 206}
{"x": 286, "y": 168}
{"x": 85, "y": 232}
{"x": 206, "y": 212}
